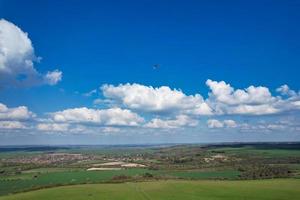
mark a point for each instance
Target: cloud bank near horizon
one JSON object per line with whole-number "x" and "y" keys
{"x": 136, "y": 106}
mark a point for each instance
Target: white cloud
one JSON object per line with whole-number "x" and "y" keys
{"x": 224, "y": 99}
{"x": 252, "y": 109}
{"x": 164, "y": 107}
{"x": 69, "y": 128}
{"x": 14, "y": 118}
{"x": 214, "y": 123}
{"x": 156, "y": 100}
{"x": 275, "y": 126}
{"x": 263, "y": 127}
{"x": 12, "y": 125}
{"x": 110, "y": 130}
{"x": 295, "y": 104}
{"x": 17, "y": 59}
{"x": 18, "y": 113}
{"x": 224, "y": 93}
{"x": 230, "y": 123}
{"x": 52, "y": 127}
{"x": 285, "y": 90}
{"x": 90, "y": 93}
{"x": 107, "y": 117}
{"x": 179, "y": 121}
{"x": 17, "y": 54}
{"x": 108, "y": 102}
{"x": 52, "y": 78}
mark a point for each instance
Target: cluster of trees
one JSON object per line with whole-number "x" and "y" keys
{"x": 123, "y": 178}
{"x": 264, "y": 172}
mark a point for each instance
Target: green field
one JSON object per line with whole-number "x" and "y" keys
{"x": 27, "y": 181}
{"x": 261, "y": 152}
{"x": 279, "y": 189}
{"x": 226, "y": 174}
{"x": 20, "y": 183}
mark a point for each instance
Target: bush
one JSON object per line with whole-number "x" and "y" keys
{"x": 264, "y": 171}
{"x": 121, "y": 178}
{"x": 148, "y": 175}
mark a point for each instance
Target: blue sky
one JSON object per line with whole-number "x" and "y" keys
{"x": 93, "y": 43}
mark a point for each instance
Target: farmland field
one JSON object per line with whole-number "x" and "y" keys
{"x": 280, "y": 189}
{"x": 20, "y": 183}
{"x": 31, "y": 170}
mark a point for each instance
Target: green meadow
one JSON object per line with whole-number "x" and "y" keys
{"x": 51, "y": 177}
{"x": 280, "y": 189}
{"x": 261, "y": 152}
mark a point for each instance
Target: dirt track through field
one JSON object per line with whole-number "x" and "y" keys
{"x": 140, "y": 191}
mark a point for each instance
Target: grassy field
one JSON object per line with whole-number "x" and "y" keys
{"x": 27, "y": 181}
{"x": 261, "y": 152}
{"x": 279, "y": 189}
{"x": 228, "y": 174}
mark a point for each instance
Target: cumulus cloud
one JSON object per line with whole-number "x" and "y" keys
{"x": 70, "y": 128}
{"x": 110, "y": 130}
{"x": 17, "y": 59}
{"x": 156, "y": 100}
{"x": 107, "y": 117}
{"x": 266, "y": 127}
{"x": 224, "y": 99}
{"x": 230, "y": 123}
{"x": 52, "y": 78}
{"x": 179, "y": 121}
{"x": 252, "y": 109}
{"x": 14, "y": 118}
{"x": 164, "y": 108}
{"x": 17, "y": 113}
{"x": 53, "y": 127}
{"x": 17, "y": 53}
{"x": 108, "y": 102}
{"x": 12, "y": 125}
{"x": 214, "y": 123}
{"x": 285, "y": 90}
{"x": 260, "y": 126}
{"x": 224, "y": 93}
{"x": 90, "y": 93}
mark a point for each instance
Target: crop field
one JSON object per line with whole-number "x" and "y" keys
{"x": 283, "y": 189}
{"x": 262, "y": 152}
{"x": 29, "y": 181}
